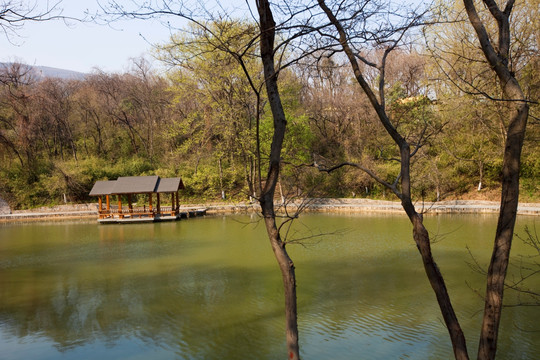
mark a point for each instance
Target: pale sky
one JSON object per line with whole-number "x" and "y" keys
{"x": 82, "y": 46}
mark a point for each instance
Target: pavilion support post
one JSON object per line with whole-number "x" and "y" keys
{"x": 120, "y": 206}
{"x": 130, "y": 205}
{"x": 108, "y": 203}
{"x": 177, "y": 204}
{"x": 158, "y": 204}
{"x": 100, "y": 209}
{"x": 173, "y": 209}
{"x": 150, "y": 202}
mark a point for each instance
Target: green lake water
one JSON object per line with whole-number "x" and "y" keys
{"x": 210, "y": 288}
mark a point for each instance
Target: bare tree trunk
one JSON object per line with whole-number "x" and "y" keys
{"x": 503, "y": 236}
{"x": 498, "y": 60}
{"x": 221, "y": 179}
{"x": 288, "y": 274}
{"x": 286, "y": 265}
{"x": 436, "y": 280}
{"x": 420, "y": 233}
{"x": 423, "y": 243}
{"x": 481, "y": 174}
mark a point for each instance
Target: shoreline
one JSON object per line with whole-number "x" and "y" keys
{"x": 89, "y": 211}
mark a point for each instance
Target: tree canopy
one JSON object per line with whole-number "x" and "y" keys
{"x": 198, "y": 121}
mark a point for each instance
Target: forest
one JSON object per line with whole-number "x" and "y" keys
{"x": 196, "y": 116}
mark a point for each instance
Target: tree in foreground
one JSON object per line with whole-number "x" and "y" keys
{"x": 265, "y": 41}
{"x": 347, "y": 30}
{"x": 351, "y": 31}
{"x": 497, "y": 54}
{"x": 286, "y": 265}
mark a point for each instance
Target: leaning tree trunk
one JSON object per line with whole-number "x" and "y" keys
{"x": 503, "y": 236}
{"x": 420, "y": 233}
{"x": 286, "y": 265}
{"x": 498, "y": 60}
{"x": 436, "y": 280}
{"x": 423, "y": 243}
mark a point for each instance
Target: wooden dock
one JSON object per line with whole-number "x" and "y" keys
{"x": 127, "y": 218}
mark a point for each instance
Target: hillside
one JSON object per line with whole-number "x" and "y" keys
{"x": 46, "y": 71}
{"x": 43, "y": 72}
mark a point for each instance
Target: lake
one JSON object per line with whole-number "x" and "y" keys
{"x": 210, "y": 288}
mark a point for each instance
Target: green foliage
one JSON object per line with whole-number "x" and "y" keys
{"x": 70, "y": 178}
{"x": 24, "y": 187}
{"x": 200, "y": 122}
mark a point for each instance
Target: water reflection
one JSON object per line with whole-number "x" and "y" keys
{"x": 210, "y": 289}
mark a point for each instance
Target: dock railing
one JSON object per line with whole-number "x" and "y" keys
{"x": 168, "y": 211}
{"x": 135, "y": 211}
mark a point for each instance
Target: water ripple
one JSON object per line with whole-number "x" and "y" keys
{"x": 382, "y": 332}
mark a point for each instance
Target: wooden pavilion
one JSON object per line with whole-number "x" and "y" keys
{"x": 125, "y": 188}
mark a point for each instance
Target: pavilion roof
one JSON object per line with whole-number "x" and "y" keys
{"x": 169, "y": 185}
{"x": 102, "y": 188}
{"x": 137, "y": 185}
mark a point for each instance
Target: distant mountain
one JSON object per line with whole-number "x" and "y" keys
{"x": 50, "y": 72}
{"x": 43, "y": 72}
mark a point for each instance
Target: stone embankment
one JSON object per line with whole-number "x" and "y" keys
{"x": 60, "y": 212}
{"x": 452, "y": 206}
{"x": 82, "y": 211}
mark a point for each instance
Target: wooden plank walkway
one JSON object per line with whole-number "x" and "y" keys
{"x": 127, "y": 219}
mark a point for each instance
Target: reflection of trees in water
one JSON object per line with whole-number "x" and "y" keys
{"x": 199, "y": 311}
{"x": 114, "y": 233}
{"x": 221, "y": 299}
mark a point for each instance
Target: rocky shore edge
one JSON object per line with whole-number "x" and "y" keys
{"x": 89, "y": 211}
